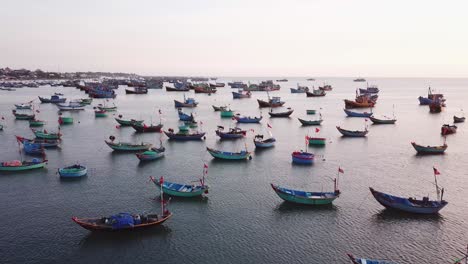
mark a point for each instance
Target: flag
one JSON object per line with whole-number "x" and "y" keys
{"x": 160, "y": 111}
{"x": 317, "y": 130}
{"x": 161, "y": 180}
{"x": 306, "y": 137}
{"x": 268, "y": 125}
{"x": 253, "y": 131}
{"x": 117, "y": 126}
{"x": 205, "y": 168}
{"x": 436, "y": 172}
{"x": 340, "y": 170}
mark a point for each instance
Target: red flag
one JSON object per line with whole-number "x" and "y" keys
{"x": 161, "y": 180}
{"x": 436, "y": 172}
{"x": 340, "y": 170}
{"x": 269, "y": 125}
{"x": 117, "y": 126}
{"x": 306, "y": 137}
{"x": 205, "y": 168}
{"x": 317, "y": 130}
{"x": 145, "y": 126}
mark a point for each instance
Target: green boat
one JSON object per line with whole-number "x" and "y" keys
{"x": 17, "y": 165}
{"x": 315, "y": 141}
{"x": 46, "y": 135}
{"x": 310, "y": 112}
{"x": 65, "y": 120}
{"x": 303, "y": 197}
{"x": 243, "y": 155}
{"x": 227, "y": 113}
{"x": 123, "y": 146}
{"x": 100, "y": 113}
{"x": 21, "y": 116}
{"x": 36, "y": 123}
{"x": 184, "y": 128}
{"x": 130, "y": 122}
{"x": 191, "y": 124}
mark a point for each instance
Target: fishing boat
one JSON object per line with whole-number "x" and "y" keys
{"x": 310, "y": 122}
{"x": 241, "y": 94}
{"x": 44, "y": 134}
{"x": 307, "y": 198}
{"x": 349, "y": 133}
{"x": 317, "y": 141}
{"x": 359, "y": 80}
{"x": 100, "y": 113}
{"x": 233, "y": 133}
{"x": 448, "y": 129}
{"x": 282, "y": 80}
{"x": 124, "y": 122}
{"x": 368, "y": 261}
{"x": 107, "y": 108}
{"x": 326, "y": 87}
{"x": 429, "y": 149}
{"x": 182, "y": 190}
{"x": 458, "y": 119}
{"x": 54, "y": 99}
{"x": 350, "y": 113}
{"x": 281, "y": 114}
{"x": 74, "y": 171}
{"x": 311, "y": 112}
{"x": 237, "y": 85}
{"x": 424, "y": 100}
{"x": 219, "y": 108}
{"x": 184, "y": 136}
{"x": 302, "y": 157}
{"x": 36, "y": 123}
{"x": 123, "y": 146}
{"x": 260, "y": 142}
{"x": 85, "y": 101}
{"x": 65, "y": 120}
{"x": 354, "y": 104}
{"x": 413, "y": 205}
{"x": 379, "y": 121}
{"x": 71, "y": 106}
{"x": 369, "y": 90}
{"x": 242, "y": 155}
{"x": 272, "y": 102}
{"x": 226, "y": 113}
{"x": 248, "y": 119}
{"x": 23, "y": 116}
{"x": 173, "y": 89}
{"x": 217, "y": 85}
{"x": 17, "y": 165}
{"x": 188, "y": 102}
{"x": 435, "y": 106}
{"x": 185, "y": 117}
{"x": 43, "y": 143}
{"x": 299, "y": 89}
{"x": 152, "y": 154}
{"x": 143, "y": 128}
{"x": 33, "y": 149}
{"x": 23, "y": 106}
{"x": 207, "y": 90}
{"x": 136, "y": 90}
{"x": 316, "y": 93}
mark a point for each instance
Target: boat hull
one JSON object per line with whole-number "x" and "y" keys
{"x": 23, "y": 168}
{"x": 184, "y": 137}
{"x": 313, "y": 199}
{"x": 429, "y": 150}
{"x": 228, "y": 155}
{"x": 128, "y": 147}
{"x": 348, "y": 133}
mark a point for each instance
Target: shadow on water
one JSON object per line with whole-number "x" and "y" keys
{"x": 288, "y": 207}
{"x": 388, "y": 215}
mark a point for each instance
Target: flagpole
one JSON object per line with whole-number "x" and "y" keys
{"x": 162, "y": 197}
{"x": 437, "y": 187}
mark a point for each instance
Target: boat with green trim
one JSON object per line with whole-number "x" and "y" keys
{"x": 227, "y": 113}
{"x": 44, "y": 134}
{"x": 310, "y": 122}
{"x": 225, "y": 155}
{"x": 65, "y": 120}
{"x": 36, "y": 123}
{"x": 152, "y": 154}
{"x": 100, "y": 113}
{"x": 17, "y": 165}
{"x": 74, "y": 171}
{"x": 23, "y": 116}
{"x": 107, "y": 108}
{"x": 181, "y": 190}
{"x": 125, "y": 146}
{"x": 311, "y": 112}
{"x": 317, "y": 141}
{"x": 130, "y": 122}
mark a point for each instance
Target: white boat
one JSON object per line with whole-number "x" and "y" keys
{"x": 72, "y": 106}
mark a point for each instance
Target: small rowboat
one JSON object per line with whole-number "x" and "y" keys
{"x": 349, "y": 133}
{"x": 143, "y": 128}
{"x": 107, "y": 108}
{"x": 122, "y": 221}
{"x": 189, "y": 102}
{"x": 429, "y": 149}
{"x": 172, "y": 89}
{"x": 378, "y": 121}
{"x": 36, "y": 123}
{"x": 185, "y": 117}
{"x": 152, "y": 154}
{"x": 281, "y": 114}
{"x": 248, "y": 119}
{"x": 54, "y": 99}
{"x": 123, "y": 122}
{"x": 353, "y": 104}
{"x": 123, "y": 146}
{"x": 316, "y": 93}
{"x": 100, "y": 113}
{"x": 243, "y": 155}
{"x": 458, "y": 119}
{"x": 137, "y": 90}
{"x": 181, "y": 190}
{"x": 357, "y": 114}
{"x": 219, "y": 108}
{"x": 46, "y": 135}
{"x": 74, "y": 171}
{"x": 23, "y": 106}
{"x": 302, "y": 157}
{"x": 368, "y": 261}
{"x": 17, "y": 165}
{"x": 273, "y": 102}
{"x": 71, "y": 106}
{"x": 226, "y": 113}
{"x": 233, "y": 133}
{"x": 21, "y": 116}
{"x": 43, "y": 143}
{"x": 311, "y": 112}
{"x": 448, "y": 129}
{"x": 182, "y": 136}
{"x": 310, "y": 122}
{"x": 241, "y": 94}
{"x": 316, "y": 141}
{"x": 304, "y": 197}
{"x": 264, "y": 143}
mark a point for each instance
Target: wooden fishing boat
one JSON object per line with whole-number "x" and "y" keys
{"x": 226, "y": 113}
{"x": 207, "y": 90}
{"x": 357, "y": 114}
{"x": 259, "y": 142}
{"x": 182, "y": 190}
{"x": 43, "y": 143}
{"x": 33, "y": 149}
{"x": 23, "y": 106}
{"x": 217, "y": 85}
{"x": 281, "y": 114}
{"x": 316, "y": 93}
{"x": 378, "y": 121}
{"x": 302, "y": 157}
{"x": 458, "y": 119}
{"x": 136, "y": 90}
{"x": 172, "y": 89}
{"x": 273, "y": 102}
{"x": 349, "y": 133}
{"x": 23, "y": 116}
{"x": 71, "y": 106}
{"x": 448, "y": 129}
{"x": 310, "y": 122}
{"x": 435, "y": 107}
{"x": 74, "y": 171}
{"x": 152, "y": 154}
{"x": 369, "y": 90}
{"x": 124, "y": 122}
{"x": 368, "y": 261}
{"x": 107, "y": 108}
{"x": 184, "y": 136}
{"x": 123, "y": 221}
{"x": 65, "y": 120}
{"x": 233, "y": 133}
{"x": 242, "y": 155}
{"x": 54, "y": 99}
{"x": 241, "y": 94}
{"x": 317, "y": 141}
{"x": 189, "y": 102}
{"x": 429, "y": 149}
{"x": 299, "y": 89}
{"x": 219, "y": 108}
{"x": 248, "y": 119}
{"x": 353, "y": 104}
{"x": 307, "y": 198}
{"x": 17, "y": 165}
{"x": 123, "y": 146}
{"x": 185, "y": 117}
{"x": 326, "y": 87}
{"x": 359, "y": 80}
{"x": 311, "y": 112}
{"x": 100, "y": 113}
{"x": 424, "y": 100}
{"x": 44, "y": 134}
{"x": 143, "y": 128}
{"x": 36, "y": 123}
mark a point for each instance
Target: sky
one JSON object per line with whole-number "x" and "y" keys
{"x": 341, "y": 38}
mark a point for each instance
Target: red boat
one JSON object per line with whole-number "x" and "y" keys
{"x": 353, "y": 104}
{"x": 448, "y": 129}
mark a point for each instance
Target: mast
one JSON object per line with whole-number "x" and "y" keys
{"x": 161, "y": 182}
{"x": 437, "y": 186}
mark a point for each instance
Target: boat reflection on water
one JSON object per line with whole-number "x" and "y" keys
{"x": 288, "y": 207}
{"x": 389, "y": 215}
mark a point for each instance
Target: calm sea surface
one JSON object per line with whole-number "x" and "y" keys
{"x": 241, "y": 220}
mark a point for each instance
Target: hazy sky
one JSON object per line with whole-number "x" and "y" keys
{"x": 238, "y": 38}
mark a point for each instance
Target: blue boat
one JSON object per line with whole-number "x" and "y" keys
{"x": 241, "y": 94}
{"x": 304, "y": 197}
{"x": 225, "y": 155}
{"x": 424, "y": 100}
{"x": 185, "y": 117}
{"x": 54, "y": 99}
{"x": 33, "y": 148}
{"x": 349, "y": 133}
{"x": 74, "y": 171}
{"x": 188, "y": 102}
{"x": 299, "y": 89}
{"x": 233, "y": 133}
{"x": 368, "y": 261}
{"x": 247, "y": 119}
{"x": 302, "y": 157}
{"x": 357, "y": 114}
{"x": 264, "y": 143}
{"x": 182, "y": 190}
